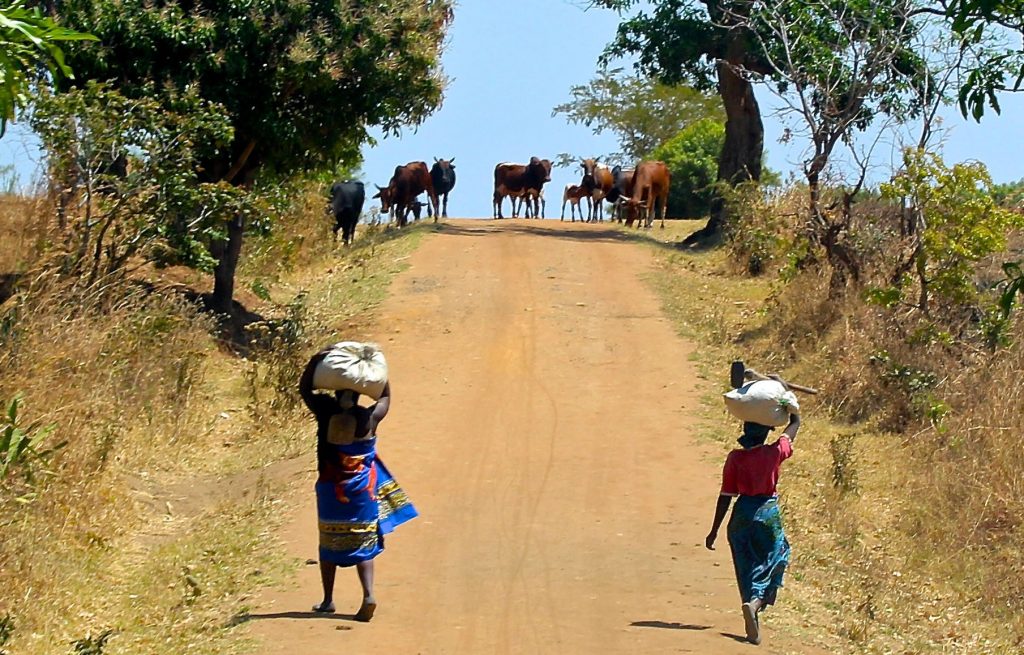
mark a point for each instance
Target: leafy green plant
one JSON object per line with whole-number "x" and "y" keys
{"x": 692, "y": 158}
{"x": 28, "y": 41}
{"x": 958, "y": 224}
{"x": 21, "y": 446}
{"x": 128, "y": 172}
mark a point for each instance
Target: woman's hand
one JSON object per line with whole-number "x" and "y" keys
{"x": 709, "y": 541}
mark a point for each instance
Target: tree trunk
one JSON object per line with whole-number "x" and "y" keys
{"x": 740, "y": 160}
{"x": 226, "y": 253}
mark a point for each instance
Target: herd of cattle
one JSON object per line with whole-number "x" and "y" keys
{"x": 637, "y": 194}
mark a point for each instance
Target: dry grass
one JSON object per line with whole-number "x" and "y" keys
{"x": 152, "y": 522}
{"x": 903, "y": 502}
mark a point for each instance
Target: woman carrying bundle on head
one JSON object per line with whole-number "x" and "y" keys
{"x": 358, "y": 501}
{"x": 760, "y": 552}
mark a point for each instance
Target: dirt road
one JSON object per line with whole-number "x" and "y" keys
{"x": 542, "y": 423}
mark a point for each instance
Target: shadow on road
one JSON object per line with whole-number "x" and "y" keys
{"x": 668, "y": 626}
{"x": 549, "y": 228}
{"x": 245, "y": 618}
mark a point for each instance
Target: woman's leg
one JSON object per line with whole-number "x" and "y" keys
{"x": 365, "y": 572}
{"x": 327, "y": 571}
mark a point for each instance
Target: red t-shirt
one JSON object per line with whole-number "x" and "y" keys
{"x": 755, "y": 472}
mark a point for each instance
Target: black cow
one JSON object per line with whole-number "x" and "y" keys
{"x": 442, "y": 174}
{"x": 346, "y": 205}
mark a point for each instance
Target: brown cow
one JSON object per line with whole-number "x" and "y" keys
{"x": 520, "y": 180}
{"x": 598, "y": 181}
{"x": 572, "y": 195}
{"x": 408, "y": 182}
{"x": 650, "y": 186}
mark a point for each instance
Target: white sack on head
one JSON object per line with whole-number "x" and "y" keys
{"x": 355, "y": 366}
{"x": 763, "y": 401}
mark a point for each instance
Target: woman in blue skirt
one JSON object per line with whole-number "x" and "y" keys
{"x": 760, "y": 552}
{"x": 357, "y": 499}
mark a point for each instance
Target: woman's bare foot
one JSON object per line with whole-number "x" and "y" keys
{"x": 325, "y": 607}
{"x": 750, "y": 621}
{"x": 366, "y": 611}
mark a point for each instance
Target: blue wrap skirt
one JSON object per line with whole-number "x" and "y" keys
{"x": 360, "y": 505}
{"x": 760, "y": 552}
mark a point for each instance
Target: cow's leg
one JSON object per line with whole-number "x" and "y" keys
{"x": 444, "y": 212}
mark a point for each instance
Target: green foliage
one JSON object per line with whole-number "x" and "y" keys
{"x": 28, "y": 42}
{"x": 21, "y": 446}
{"x": 962, "y": 223}
{"x": 692, "y": 158}
{"x": 642, "y": 112}
{"x": 997, "y": 69}
{"x": 129, "y": 172}
{"x": 680, "y": 41}
{"x": 995, "y": 323}
{"x": 301, "y": 81}
{"x": 757, "y": 236}
{"x": 1009, "y": 194}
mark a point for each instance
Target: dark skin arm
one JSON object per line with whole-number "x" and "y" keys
{"x": 721, "y": 509}
{"x": 792, "y": 428}
{"x": 306, "y": 381}
{"x": 379, "y": 410}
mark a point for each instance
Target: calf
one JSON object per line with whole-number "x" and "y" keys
{"x": 347, "y": 204}
{"x": 573, "y": 194}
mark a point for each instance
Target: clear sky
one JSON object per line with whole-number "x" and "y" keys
{"x": 510, "y": 62}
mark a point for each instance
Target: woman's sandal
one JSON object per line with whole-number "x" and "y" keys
{"x": 324, "y": 609}
{"x": 751, "y": 624}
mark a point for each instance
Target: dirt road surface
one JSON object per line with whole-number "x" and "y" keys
{"x": 543, "y": 423}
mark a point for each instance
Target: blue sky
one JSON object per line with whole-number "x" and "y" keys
{"x": 510, "y": 63}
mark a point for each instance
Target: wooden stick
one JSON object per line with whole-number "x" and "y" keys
{"x": 751, "y": 374}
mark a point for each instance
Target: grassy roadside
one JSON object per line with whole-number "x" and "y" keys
{"x": 858, "y": 583}
{"x": 155, "y": 522}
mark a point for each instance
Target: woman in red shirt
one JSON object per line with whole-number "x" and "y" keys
{"x": 760, "y": 551}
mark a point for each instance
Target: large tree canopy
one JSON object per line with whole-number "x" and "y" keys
{"x": 641, "y": 111}
{"x": 700, "y": 43}
{"x": 300, "y": 80}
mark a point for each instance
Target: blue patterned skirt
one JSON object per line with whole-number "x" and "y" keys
{"x": 760, "y": 551}
{"x": 359, "y": 507}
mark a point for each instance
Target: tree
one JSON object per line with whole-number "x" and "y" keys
{"x": 692, "y": 158}
{"x": 641, "y": 111}
{"x": 837, "y": 65}
{"x": 700, "y": 43}
{"x": 155, "y": 205}
{"x": 301, "y": 82}
{"x": 28, "y": 43}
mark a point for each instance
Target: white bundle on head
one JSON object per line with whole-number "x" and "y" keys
{"x": 353, "y": 366}
{"x": 766, "y": 402}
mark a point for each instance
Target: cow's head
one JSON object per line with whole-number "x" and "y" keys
{"x": 589, "y": 168}
{"x": 385, "y": 195}
{"x": 546, "y": 163}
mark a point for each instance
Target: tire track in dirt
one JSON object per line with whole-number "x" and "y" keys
{"x": 542, "y": 423}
